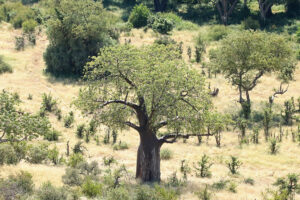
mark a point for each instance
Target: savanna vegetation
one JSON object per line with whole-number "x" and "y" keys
{"x": 149, "y": 100}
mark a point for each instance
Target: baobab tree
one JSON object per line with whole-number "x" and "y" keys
{"x": 148, "y": 89}
{"x": 247, "y": 56}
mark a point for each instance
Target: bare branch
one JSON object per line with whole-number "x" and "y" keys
{"x": 279, "y": 91}
{"x": 129, "y": 104}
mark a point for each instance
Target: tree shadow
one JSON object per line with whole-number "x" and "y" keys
{"x": 64, "y": 80}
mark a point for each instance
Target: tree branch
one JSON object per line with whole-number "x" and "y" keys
{"x": 171, "y": 138}
{"x": 129, "y": 104}
{"x": 132, "y": 125}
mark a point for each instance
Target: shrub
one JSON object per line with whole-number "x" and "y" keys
{"x": 91, "y": 188}
{"x": 249, "y": 181}
{"x": 49, "y": 192}
{"x": 37, "y": 154}
{"x": 298, "y": 35}
{"x": 202, "y": 170}
{"x": 29, "y": 26}
{"x": 67, "y": 52}
{"x": 232, "y": 187}
{"x": 160, "y": 24}
{"x": 118, "y": 193}
{"x": 217, "y": 32}
{"x": 120, "y": 146}
{"x": 80, "y": 131}
{"x": 69, "y": 120}
{"x": 204, "y": 194}
{"x": 139, "y": 16}
{"x": 75, "y": 159}
{"x": 16, "y": 186}
{"x": 72, "y": 177}
{"x": 4, "y": 67}
{"x": 200, "y": 48}
{"x": 52, "y": 135}
{"x": 20, "y": 43}
{"x": 165, "y": 40}
{"x": 251, "y": 23}
{"x": 166, "y": 154}
{"x": 162, "y": 193}
{"x": 274, "y": 147}
{"x": 53, "y": 155}
{"x": 233, "y": 164}
{"x": 220, "y": 185}
{"x": 25, "y": 2}
{"x": 48, "y": 102}
{"x": 8, "y": 155}
{"x": 288, "y": 186}
{"x": 31, "y": 38}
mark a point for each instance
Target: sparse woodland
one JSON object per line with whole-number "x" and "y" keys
{"x": 149, "y": 100}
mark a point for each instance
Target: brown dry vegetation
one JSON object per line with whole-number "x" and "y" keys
{"x": 258, "y": 164}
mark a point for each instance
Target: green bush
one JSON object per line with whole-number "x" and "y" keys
{"x": 49, "y": 192}
{"x": 160, "y": 24}
{"x": 204, "y": 194}
{"x": 25, "y": 2}
{"x": 8, "y": 155}
{"x": 19, "y": 43}
{"x": 72, "y": 177}
{"x": 233, "y": 164}
{"x": 139, "y": 16}
{"x": 69, "y": 120}
{"x": 16, "y": 13}
{"x": 4, "y": 67}
{"x": 251, "y": 23}
{"x": 166, "y": 154}
{"x": 52, "y": 135}
{"x": 217, "y": 32}
{"x": 29, "y": 26}
{"x": 48, "y": 102}
{"x": 119, "y": 193}
{"x": 91, "y": 188}
{"x": 249, "y": 181}
{"x": 68, "y": 52}
{"x": 80, "y": 131}
{"x": 165, "y": 40}
{"x": 16, "y": 186}
{"x": 120, "y": 146}
{"x": 220, "y": 185}
{"x": 37, "y": 154}
{"x": 298, "y": 35}
{"x": 75, "y": 159}
{"x": 157, "y": 193}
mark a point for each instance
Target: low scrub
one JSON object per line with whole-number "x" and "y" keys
{"x": 4, "y": 67}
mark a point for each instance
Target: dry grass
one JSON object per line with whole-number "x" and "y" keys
{"x": 28, "y": 78}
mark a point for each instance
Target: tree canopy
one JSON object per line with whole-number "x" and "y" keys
{"x": 77, "y": 30}
{"x": 16, "y": 125}
{"x": 246, "y": 56}
{"x": 147, "y": 89}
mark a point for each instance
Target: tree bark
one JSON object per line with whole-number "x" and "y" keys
{"x": 148, "y": 158}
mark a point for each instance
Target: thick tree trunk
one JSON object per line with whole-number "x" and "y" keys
{"x": 148, "y": 158}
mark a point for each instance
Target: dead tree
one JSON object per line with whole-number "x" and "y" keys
{"x": 276, "y": 92}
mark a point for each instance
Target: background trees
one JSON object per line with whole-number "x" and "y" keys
{"x": 77, "y": 30}
{"x": 247, "y": 56}
{"x": 146, "y": 89}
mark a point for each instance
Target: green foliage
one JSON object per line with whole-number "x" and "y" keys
{"x": 37, "y": 153}
{"x": 16, "y": 13}
{"x": 159, "y": 63}
{"x": 298, "y": 35}
{"x": 233, "y": 164}
{"x": 220, "y": 185}
{"x": 80, "y": 131}
{"x": 25, "y": 2}
{"x": 78, "y": 148}
{"x": 77, "y": 29}
{"x": 202, "y": 167}
{"x": 232, "y": 187}
{"x": 288, "y": 186}
{"x": 251, "y": 24}
{"x": 289, "y": 111}
{"x": 49, "y": 192}
{"x": 52, "y": 135}
{"x": 53, "y": 155}
{"x": 48, "y": 102}
{"x": 29, "y": 26}
{"x": 118, "y": 193}
{"x": 274, "y": 147}
{"x": 200, "y": 48}
{"x": 139, "y": 16}
{"x": 8, "y": 155}
{"x": 20, "y": 43}
{"x": 160, "y": 24}
{"x": 16, "y": 125}
{"x": 185, "y": 169}
{"x": 75, "y": 159}
{"x": 158, "y": 193}
{"x": 69, "y": 120}
{"x": 4, "y": 67}
{"x": 72, "y": 177}
{"x": 120, "y": 146}
{"x": 166, "y": 154}
{"x": 91, "y": 188}
{"x": 115, "y": 136}
{"x": 165, "y": 40}
{"x": 16, "y": 186}
{"x": 204, "y": 194}
{"x": 217, "y": 32}
{"x": 249, "y": 181}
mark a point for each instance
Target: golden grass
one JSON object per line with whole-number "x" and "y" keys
{"x": 28, "y": 78}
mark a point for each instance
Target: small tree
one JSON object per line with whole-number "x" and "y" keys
{"x": 151, "y": 90}
{"x": 233, "y": 164}
{"x": 247, "y": 56}
{"x": 202, "y": 168}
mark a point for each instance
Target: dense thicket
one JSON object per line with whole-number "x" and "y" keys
{"x": 76, "y": 31}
